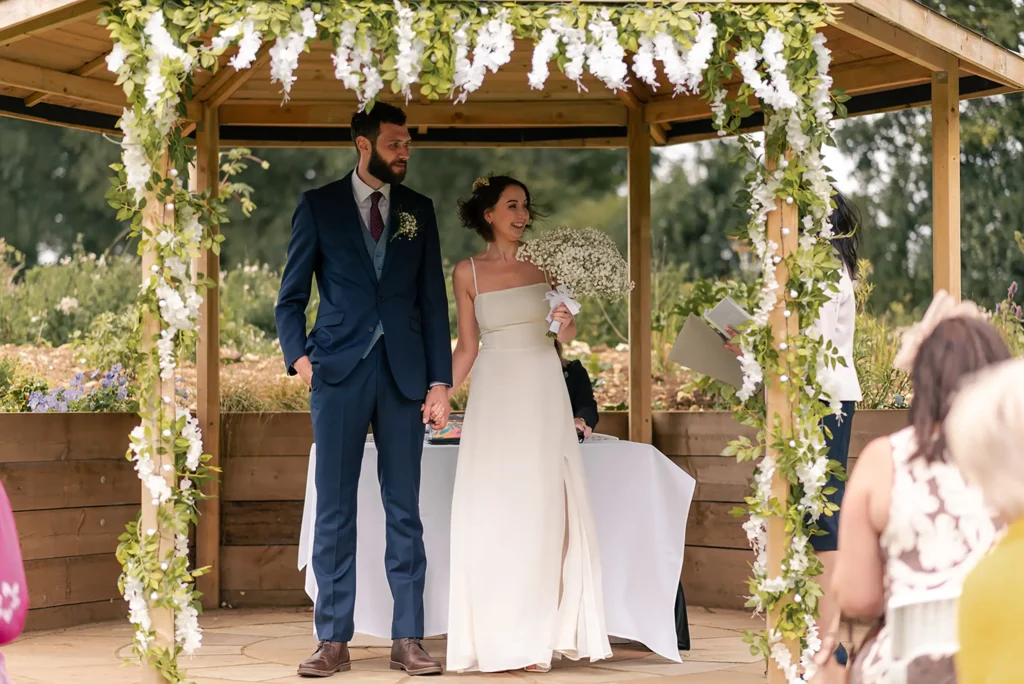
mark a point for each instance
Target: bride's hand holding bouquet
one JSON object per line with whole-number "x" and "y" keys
{"x": 584, "y": 262}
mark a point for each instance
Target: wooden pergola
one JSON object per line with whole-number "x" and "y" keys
{"x": 887, "y": 55}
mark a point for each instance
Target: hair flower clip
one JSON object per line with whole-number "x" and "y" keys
{"x": 481, "y": 182}
{"x": 942, "y": 308}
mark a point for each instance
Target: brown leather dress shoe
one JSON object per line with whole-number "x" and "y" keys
{"x": 329, "y": 657}
{"x": 409, "y": 655}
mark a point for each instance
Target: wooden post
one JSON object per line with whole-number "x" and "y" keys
{"x": 946, "y": 178}
{"x": 782, "y": 230}
{"x": 639, "y": 179}
{"x": 154, "y": 216}
{"x": 205, "y": 177}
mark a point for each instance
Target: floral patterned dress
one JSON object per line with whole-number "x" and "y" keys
{"x": 939, "y": 528}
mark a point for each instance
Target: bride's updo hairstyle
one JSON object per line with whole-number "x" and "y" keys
{"x": 486, "y": 193}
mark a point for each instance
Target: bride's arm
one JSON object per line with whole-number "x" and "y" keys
{"x": 468, "y": 343}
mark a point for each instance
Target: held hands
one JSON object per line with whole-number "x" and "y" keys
{"x": 436, "y": 408}
{"x": 582, "y": 426}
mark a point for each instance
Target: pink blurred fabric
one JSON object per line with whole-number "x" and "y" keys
{"x": 13, "y": 589}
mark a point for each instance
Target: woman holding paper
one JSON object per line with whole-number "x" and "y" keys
{"x": 836, "y": 321}
{"x": 525, "y": 565}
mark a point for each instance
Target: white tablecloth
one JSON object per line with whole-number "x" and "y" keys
{"x": 640, "y": 501}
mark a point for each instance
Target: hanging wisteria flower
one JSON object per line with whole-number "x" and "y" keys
{"x": 493, "y": 49}
{"x": 606, "y": 58}
{"x": 248, "y": 46}
{"x": 543, "y": 52}
{"x": 116, "y": 58}
{"x": 643, "y": 62}
{"x": 410, "y": 50}
{"x": 284, "y": 56}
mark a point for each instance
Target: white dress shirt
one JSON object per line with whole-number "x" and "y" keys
{"x": 836, "y": 322}
{"x": 362, "y": 193}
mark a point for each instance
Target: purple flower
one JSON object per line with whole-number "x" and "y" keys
{"x": 122, "y": 393}
{"x": 36, "y": 402}
{"x": 1012, "y": 292}
{"x": 105, "y": 383}
{"x": 95, "y": 374}
{"x": 78, "y": 380}
{"x": 116, "y": 368}
{"x": 999, "y": 308}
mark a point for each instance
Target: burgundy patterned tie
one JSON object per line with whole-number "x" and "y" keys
{"x": 376, "y": 220}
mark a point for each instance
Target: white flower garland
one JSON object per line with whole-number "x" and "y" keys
{"x": 791, "y": 115}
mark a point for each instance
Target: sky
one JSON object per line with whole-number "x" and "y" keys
{"x": 841, "y": 165}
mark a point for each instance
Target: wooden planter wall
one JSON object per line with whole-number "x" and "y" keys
{"x": 73, "y": 492}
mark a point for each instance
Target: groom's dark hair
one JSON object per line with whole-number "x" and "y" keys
{"x": 366, "y": 124}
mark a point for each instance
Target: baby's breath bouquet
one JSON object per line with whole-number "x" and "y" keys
{"x": 584, "y": 262}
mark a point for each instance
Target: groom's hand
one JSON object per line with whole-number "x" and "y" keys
{"x": 436, "y": 408}
{"x": 305, "y": 370}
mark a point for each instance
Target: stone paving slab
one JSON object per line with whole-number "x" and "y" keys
{"x": 266, "y": 646}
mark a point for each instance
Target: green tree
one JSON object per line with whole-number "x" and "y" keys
{"x": 892, "y": 154}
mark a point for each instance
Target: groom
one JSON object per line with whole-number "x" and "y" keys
{"x": 379, "y": 354}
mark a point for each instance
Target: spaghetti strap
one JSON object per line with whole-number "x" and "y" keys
{"x": 472, "y": 265}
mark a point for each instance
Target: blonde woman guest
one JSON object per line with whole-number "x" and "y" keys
{"x": 910, "y": 523}
{"x": 985, "y": 434}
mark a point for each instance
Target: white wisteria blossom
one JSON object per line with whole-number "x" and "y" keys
{"x": 543, "y": 52}
{"x": 248, "y": 46}
{"x": 116, "y": 58}
{"x": 284, "y": 56}
{"x": 606, "y": 58}
{"x": 493, "y": 49}
{"x": 643, "y": 62}
{"x": 410, "y": 50}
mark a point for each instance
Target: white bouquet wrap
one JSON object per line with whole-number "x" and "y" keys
{"x": 584, "y": 262}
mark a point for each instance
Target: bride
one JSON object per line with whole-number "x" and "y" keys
{"x": 525, "y": 567}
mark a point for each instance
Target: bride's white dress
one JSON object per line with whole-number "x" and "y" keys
{"x": 525, "y": 566}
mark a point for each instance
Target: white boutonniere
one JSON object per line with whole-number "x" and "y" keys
{"x": 407, "y": 226}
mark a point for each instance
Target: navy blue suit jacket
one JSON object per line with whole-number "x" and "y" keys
{"x": 410, "y": 300}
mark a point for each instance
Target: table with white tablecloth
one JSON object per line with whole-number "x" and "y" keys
{"x": 640, "y": 501}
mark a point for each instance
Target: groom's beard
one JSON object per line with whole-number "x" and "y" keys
{"x": 384, "y": 171}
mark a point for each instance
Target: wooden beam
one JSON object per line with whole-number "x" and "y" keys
{"x": 635, "y": 97}
{"x": 975, "y": 53}
{"x": 22, "y": 18}
{"x": 206, "y": 179}
{"x": 639, "y": 180}
{"x": 470, "y": 114}
{"x": 946, "y": 179}
{"x": 779, "y": 408}
{"x": 856, "y": 78}
{"x": 154, "y": 216}
{"x": 95, "y": 66}
{"x": 888, "y": 37}
{"x": 228, "y": 80}
{"x": 573, "y": 143}
{"x": 53, "y": 82}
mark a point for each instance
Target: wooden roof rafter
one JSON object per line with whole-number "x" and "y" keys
{"x": 884, "y": 54}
